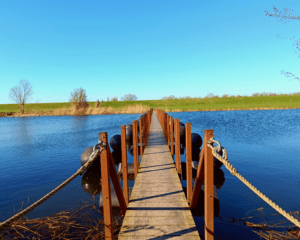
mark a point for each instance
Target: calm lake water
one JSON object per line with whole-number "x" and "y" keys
{"x": 38, "y": 153}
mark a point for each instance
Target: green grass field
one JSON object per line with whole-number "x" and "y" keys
{"x": 191, "y": 104}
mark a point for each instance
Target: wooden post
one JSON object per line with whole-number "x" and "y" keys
{"x": 177, "y": 146}
{"x": 145, "y": 130}
{"x": 147, "y": 118}
{"x": 124, "y": 164}
{"x": 141, "y": 136}
{"x": 135, "y": 148}
{"x": 199, "y": 179}
{"x": 116, "y": 183}
{"x": 209, "y": 188}
{"x": 144, "y": 121}
{"x": 189, "y": 177}
{"x": 163, "y": 122}
{"x": 168, "y": 129}
{"x": 107, "y": 208}
{"x": 148, "y": 126}
{"x": 149, "y": 121}
{"x": 172, "y": 136}
{"x": 165, "y": 125}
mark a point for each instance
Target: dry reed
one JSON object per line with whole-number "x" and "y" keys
{"x": 267, "y": 230}
{"x": 88, "y": 110}
{"x": 85, "y": 222}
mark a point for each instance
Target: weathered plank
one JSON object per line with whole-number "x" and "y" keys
{"x": 158, "y": 208}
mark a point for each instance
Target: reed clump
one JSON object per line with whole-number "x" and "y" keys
{"x": 85, "y": 222}
{"x": 269, "y": 231}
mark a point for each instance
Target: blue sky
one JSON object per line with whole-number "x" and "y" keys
{"x": 148, "y": 48}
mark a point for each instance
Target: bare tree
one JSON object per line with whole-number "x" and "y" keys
{"x": 210, "y": 95}
{"x": 286, "y": 15}
{"x": 129, "y": 97}
{"x": 78, "y": 97}
{"x": 21, "y": 93}
{"x": 99, "y": 103}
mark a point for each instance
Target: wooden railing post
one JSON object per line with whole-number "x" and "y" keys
{"x": 209, "y": 188}
{"x": 172, "y": 136}
{"x": 146, "y": 129}
{"x": 116, "y": 183}
{"x": 189, "y": 177}
{"x": 105, "y": 175}
{"x": 168, "y": 130}
{"x": 124, "y": 164}
{"x": 165, "y": 125}
{"x": 199, "y": 179}
{"x": 144, "y": 121}
{"x": 177, "y": 146}
{"x": 141, "y": 136}
{"x": 135, "y": 148}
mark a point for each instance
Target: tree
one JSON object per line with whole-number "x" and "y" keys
{"x": 78, "y": 97}
{"x": 286, "y": 15}
{"x": 21, "y": 93}
{"x": 210, "y": 95}
{"x": 129, "y": 97}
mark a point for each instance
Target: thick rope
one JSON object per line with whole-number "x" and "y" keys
{"x": 17, "y": 216}
{"x": 234, "y": 172}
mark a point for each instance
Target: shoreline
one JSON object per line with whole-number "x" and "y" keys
{"x": 139, "y": 110}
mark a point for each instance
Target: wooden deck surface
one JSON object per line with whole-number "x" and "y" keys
{"x": 158, "y": 208}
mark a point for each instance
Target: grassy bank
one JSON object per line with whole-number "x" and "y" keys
{"x": 172, "y": 105}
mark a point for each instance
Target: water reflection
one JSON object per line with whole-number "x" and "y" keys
{"x": 79, "y": 129}
{"x": 23, "y": 136}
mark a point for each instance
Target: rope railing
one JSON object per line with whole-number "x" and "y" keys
{"x": 17, "y": 216}
{"x": 234, "y": 172}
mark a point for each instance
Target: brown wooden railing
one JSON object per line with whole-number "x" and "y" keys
{"x": 108, "y": 171}
{"x": 205, "y": 169}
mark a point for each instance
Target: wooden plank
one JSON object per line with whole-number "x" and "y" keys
{"x": 158, "y": 208}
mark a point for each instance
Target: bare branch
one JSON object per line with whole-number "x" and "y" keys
{"x": 284, "y": 15}
{"x": 289, "y": 74}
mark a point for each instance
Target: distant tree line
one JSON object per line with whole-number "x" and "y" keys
{"x": 211, "y": 95}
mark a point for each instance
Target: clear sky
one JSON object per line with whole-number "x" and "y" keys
{"x": 148, "y": 48}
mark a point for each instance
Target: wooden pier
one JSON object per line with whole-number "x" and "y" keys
{"x": 158, "y": 208}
